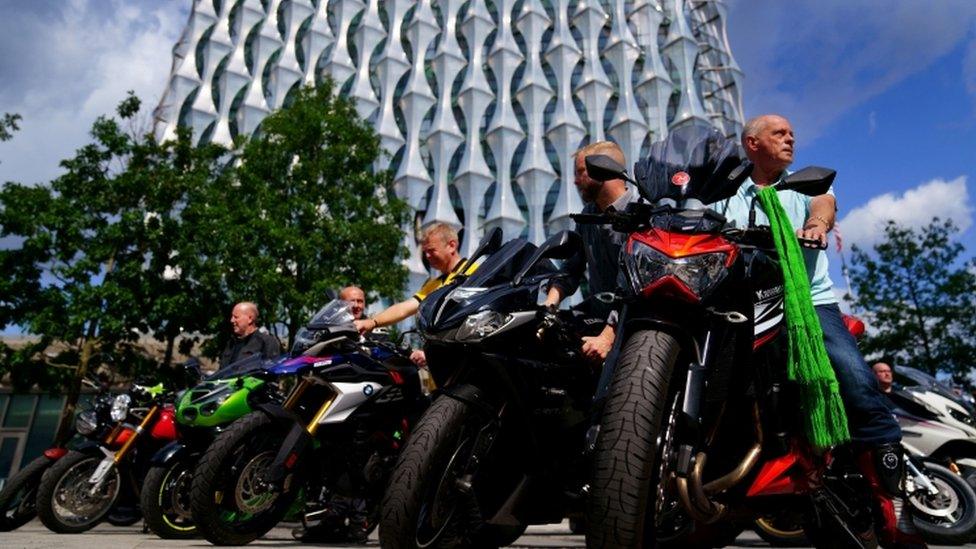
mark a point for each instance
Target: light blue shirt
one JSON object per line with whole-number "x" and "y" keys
{"x": 797, "y": 207}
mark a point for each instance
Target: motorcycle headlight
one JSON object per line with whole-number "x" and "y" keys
{"x": 86, "y": 423}
{"x": 962, "y": 417}
{"x": 120, "y": 407}
{"x": 481, "y": 325}
{"x": 699, "y": 273}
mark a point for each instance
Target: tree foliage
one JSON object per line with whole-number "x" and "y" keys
{"x": 141, "y": 239}
{"x": 8, "y": 125}
{"x": 95, "y": 246}
{"x": 307, "y": 212}
{"x": 920, "y": 298}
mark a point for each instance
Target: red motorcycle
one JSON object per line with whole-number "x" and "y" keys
{"x": 700, "y": 432}
{"x": 105, "y": 471}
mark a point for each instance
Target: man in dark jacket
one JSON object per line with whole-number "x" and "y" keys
{"x": 601, "y": 246}
{"x": 248, "y": 340}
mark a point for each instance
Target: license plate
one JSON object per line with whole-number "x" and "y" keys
{"x": 103, "y": 468}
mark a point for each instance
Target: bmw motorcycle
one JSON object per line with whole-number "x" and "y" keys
{"x": 502, "y": 445}
{"x": 699, "y": 429}
{"x": 326, "y": 449}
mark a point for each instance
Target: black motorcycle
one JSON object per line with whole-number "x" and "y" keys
{"x": 502, "y": 446}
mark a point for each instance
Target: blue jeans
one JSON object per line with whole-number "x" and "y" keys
{"x": 868, "y": 417}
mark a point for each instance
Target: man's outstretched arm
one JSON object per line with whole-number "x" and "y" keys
{"x": 391, "y": 315}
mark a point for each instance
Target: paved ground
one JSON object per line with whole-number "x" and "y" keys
{"x": 35, "y": 536}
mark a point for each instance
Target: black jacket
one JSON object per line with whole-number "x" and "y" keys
{"x": 257, "y": 343}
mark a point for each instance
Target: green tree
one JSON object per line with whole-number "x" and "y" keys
{"x": 8, "y": 125}
{"x": 307, "y": 212}
{"x": 920, "y": 298}
{"x": 93, "y": 272}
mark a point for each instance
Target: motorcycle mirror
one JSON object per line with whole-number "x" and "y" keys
{"x": 561, "y": 245}
{"x": 811, "y": 181}
{"x": 490, "y": 243}
{"x": 601, "y": 167}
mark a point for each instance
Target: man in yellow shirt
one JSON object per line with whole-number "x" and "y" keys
{"x": 440, "y": 246}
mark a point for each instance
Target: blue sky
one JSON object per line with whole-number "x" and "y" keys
{"x": 884, "y": 91}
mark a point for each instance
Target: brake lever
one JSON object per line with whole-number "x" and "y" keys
{"x": 811, "y": 243}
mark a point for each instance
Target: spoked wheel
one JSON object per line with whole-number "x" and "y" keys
{"x": 948, "y": 516}
{"x": 433, "y": 501}
{"x": 18, "y": 498}
{"x": 67, "y": 502}
{"x": 230, "y": 499}
{"x": 166, "y": 500}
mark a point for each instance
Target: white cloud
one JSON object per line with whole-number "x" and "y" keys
{"x": 73, "y": 63}
{"x": 814, "y": 60}
{"x": 914, "y": 208}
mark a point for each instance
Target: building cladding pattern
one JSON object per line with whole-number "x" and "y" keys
{"x": 478, "y": 103}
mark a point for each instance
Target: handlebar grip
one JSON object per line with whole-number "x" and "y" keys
{"x": 811, "y": 243}
{"x": 592, "y": 219}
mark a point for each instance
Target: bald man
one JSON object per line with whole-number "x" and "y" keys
{"x": 768, "y": 141}
{"x": 601, "y": 243}
{"x": 356, "y": 298}
{"x": 247, "y": 340}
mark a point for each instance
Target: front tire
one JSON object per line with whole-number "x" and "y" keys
{"x": 948, "y": 517}
{"x": 65, "y": 502}
{"x": 624, "y": 500}
{"x": 18, "y": 503}
{"x": 423, "y": 506}
{"x": 166, "y": 500}
{"x": 228, "y": 499}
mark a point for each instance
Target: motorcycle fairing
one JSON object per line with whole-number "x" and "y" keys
{"x": 783, "y": 475}
{"x": 678, "y": 245}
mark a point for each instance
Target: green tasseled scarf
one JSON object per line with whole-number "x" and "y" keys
{"x": 808, "y": 365}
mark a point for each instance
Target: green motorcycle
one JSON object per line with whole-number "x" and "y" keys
{"x": 201, "y": 413}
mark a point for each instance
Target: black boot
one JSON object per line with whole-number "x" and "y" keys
{"x": 889, "y": 462}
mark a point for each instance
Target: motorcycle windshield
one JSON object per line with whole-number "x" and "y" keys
{"x": 692, "y": 162}
{"x": 335, "y": 312}
{"x": 242, "y": 367}
{"x": 501, "y": 266}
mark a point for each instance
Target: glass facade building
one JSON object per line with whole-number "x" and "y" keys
{"x": 479, "y": 103}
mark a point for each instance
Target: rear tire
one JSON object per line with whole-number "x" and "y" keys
{"x": 18, "y": 504}
{"x": 227, "y": 500}
{"x": 780, "y": 530}
{"x": 956, "y": 498}
{"x": 166, "y": 500}
{"x": 621, "y": 508}
{"x": 64, "y": 502}
{"x": 421, "y": 487}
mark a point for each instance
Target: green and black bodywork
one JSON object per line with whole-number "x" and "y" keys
{"x": 201, "y": 413}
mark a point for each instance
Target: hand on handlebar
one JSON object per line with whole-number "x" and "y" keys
{"x": 813, "y": 235}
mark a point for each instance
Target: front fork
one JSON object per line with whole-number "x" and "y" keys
{"x": 112, "y": 459}
{"x": 298, "y": 437}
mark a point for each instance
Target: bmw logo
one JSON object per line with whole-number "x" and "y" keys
{"x": 368, "y": 390}
{"x": 890, "y": 460}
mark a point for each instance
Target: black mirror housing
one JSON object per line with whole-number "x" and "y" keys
{"x": 811, "y": 181}
{"x": 490, "y": 243}
{"x": 562, "y": 245}
{"x": 601, "y": 167}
